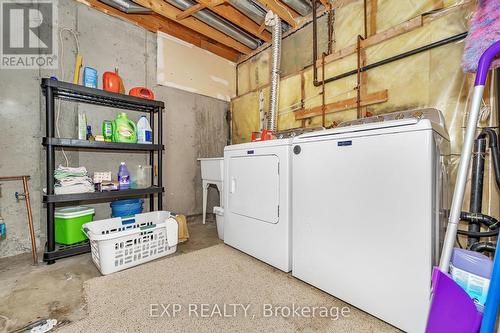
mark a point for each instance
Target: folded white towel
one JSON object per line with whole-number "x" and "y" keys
{"x": 71, "y": 189}
{"x": 68, "y": 181}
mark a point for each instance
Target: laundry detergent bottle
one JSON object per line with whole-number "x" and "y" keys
{"x": 123, "y": 177}
{"x": 124, "y": 129}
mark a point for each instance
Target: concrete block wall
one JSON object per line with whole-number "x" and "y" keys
{"x": 194, "y": 125}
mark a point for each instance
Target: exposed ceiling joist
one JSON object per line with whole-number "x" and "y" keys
{"x": 165, "y": 9}
{"x": 155, "y": 22}
{"x": 233, "y": 15}
{"x": 284, "y": 12}
{"x": 190, "y": 11}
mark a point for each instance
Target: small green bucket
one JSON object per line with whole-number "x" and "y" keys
{"x": 68, "y": 224}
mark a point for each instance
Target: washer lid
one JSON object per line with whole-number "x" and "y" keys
{"x": 416, "y": 119}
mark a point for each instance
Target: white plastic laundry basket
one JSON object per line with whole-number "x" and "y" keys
{"x": 120, "y": 243}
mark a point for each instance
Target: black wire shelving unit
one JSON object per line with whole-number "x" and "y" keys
{"x": 52, "y": 90}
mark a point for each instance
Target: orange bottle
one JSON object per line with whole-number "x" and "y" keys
{"x": 111, "y": 81}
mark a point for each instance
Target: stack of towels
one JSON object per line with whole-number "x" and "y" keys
{"x": 72, "y": 180}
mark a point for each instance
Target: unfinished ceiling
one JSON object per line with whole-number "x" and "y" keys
{"x": 228, "y": 28}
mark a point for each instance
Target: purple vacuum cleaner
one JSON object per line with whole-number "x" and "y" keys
{"x": 452, "y": 310}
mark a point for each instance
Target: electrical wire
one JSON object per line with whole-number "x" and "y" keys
{"x": 58, "y": 103}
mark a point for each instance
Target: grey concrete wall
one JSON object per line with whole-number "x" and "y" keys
{"x": 194, "y": 128}
{"x": 194, "y": 125}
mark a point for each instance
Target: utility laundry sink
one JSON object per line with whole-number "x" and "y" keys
{"x": 212, "y": 170}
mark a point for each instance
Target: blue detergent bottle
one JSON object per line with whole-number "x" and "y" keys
{"x": 123, "y": 177}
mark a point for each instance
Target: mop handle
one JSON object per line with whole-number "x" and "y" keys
{"x": 463, "y": 167}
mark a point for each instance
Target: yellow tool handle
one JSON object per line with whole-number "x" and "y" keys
{"x": 78, "y": 65}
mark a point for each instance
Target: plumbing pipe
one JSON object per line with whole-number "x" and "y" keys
{"x": 490, "y": 222}
{"x": 483, "y": 247}
{"x": 26, "y": 196}
{"x": 476, "y": 192}
{"x": 400, "y": 56}
{"x": 463, "y": 167}
{"x": 219, "y": 23}
{"x": 475, "y": 234}
{"x": 274, "y": 21}
{"x": 493, "y": 145}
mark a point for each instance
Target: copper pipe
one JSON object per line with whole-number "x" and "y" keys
{"x": 358, "y": 87}
{"x": 26, "y": 196}
{"x": 331, "y": 21}
{"x": 12, "y": 177}
{"x": 365, "y": 18}
{"x": 30, "y": 219}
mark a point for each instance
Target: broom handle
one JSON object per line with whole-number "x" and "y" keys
{"x": 463, "y": 168}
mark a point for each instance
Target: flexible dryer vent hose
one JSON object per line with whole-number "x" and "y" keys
{"x": 274, "y": 21}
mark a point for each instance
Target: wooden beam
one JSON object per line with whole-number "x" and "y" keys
{"x": 167, "y": 10}
{"x": 325, "y": 3}
{"x": 375, "y": 39}
{"x": 155, "y": 23}
{"x": 190, "y": 11}
{"x": 373, "y": 17}
{"x": 346, "y": 104}
{"x": 231, "y": 14}
{"x": 284, "y": 12}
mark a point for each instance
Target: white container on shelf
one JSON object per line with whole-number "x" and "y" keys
{"x": 144, "y": 132}
{"x": 121, "y": 243}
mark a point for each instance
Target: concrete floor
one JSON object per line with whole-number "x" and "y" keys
{"x": 29, "y": 293}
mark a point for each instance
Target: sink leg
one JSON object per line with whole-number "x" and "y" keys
{"x": 205, "y": 194}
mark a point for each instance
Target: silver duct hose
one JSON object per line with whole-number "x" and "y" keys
{"x": 219, "y": 23}
{"x": 127, "y": 6}
{"x": 274, "y": 21}
{"x": 254, "y": 12}
{"x": 302, "y": 7}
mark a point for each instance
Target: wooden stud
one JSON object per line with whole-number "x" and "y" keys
{"x": 155, "y": 23}
{"x": 373, "y": 17}
{"x": 167, "y": 10}
{"x": 280, "y": 9}
{"x": 346, "y": 104}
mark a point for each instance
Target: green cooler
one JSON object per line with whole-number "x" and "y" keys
{"x": 68, "y": 224}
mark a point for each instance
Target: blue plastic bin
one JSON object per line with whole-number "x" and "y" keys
{"x": 121, "y": 208}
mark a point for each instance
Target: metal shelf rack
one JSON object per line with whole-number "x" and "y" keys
{"x": 52, "y": 90}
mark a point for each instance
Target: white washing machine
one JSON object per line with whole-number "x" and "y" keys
{"x": 369, "y": 201}
{"x": 257, "y": 200}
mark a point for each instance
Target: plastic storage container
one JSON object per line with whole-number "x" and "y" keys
{"x": 68, "y": 224}
{"x": 124, "y": 208}
{"x": 219, "y": 218}
{"x": 472, "y": 271}
{"x": 120, "y": 243}
{"x": 140, "y": 176}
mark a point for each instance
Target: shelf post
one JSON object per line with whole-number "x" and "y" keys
{"x": 50, "y": 161}
{"x": 152, "y": 159}
{"x": 160, "y": 156}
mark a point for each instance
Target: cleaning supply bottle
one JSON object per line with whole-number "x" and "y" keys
{"x": 123, "y": 177}
{"x": 107, "y": 130}
{"x": 90, "y": 136}
{"x": 144, "y": 132}
{"x": 82, "y": 126}
{"x": 124, "y": 129}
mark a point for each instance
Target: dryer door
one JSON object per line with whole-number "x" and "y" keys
{"x": 254, "y": 187}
